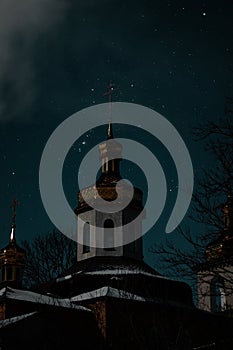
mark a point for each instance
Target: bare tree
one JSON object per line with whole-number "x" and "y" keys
{"x": 208, "y": 202}
{"x": 47, "y": 256}
{"x": 217, "y": 182}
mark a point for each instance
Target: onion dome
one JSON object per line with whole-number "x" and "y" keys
{"x": 105, "y": 187}
{"x": 222, "y": 247}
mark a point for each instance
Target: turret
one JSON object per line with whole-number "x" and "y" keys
{"x": 12, "y": 258}
{"x": 223, "y": 246}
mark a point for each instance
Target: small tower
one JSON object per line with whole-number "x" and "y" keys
{"x": 105, "y": 188}
{"x": 12, "y": 258}
{"x": 215, "y": 276}
{"x": 222, "y": 248}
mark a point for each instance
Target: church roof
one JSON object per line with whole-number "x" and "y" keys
{"x": 32, "y": 297}
{"x": 107, "y": 292}
{"x": 116, "y": 293}
{"x": 11, "y": 320}
{"x": 134, "y": 276}
{"x": 105, "y": 188}
{"x": 12, "y": 245}
{"x": 109, "y": 265}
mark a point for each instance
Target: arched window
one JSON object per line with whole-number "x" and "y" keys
{"x": 217, "y": 295}
{"x": 109, "y": 235}
{"x": 86, "y": 238}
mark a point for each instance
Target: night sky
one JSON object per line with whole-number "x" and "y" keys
{"x": 57, "y": 57}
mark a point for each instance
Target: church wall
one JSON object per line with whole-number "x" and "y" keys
{"x": 140, "y": 325}
{"x": 203, "y": 280}
{"x": 2, "y": 311}
{"x": 55, "y": 329}
{"x": 227, "y": 274}
{"x": 207, "y": 294}
{"x": 96, "y": 218}
{"x": 99, "y": 310}
{"x": 133, "y": 249}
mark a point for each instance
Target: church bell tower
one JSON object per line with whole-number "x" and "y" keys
{"x": 12, "y": 258}
{"x": 215, "y": 280}
{"x": 105, "y": 188}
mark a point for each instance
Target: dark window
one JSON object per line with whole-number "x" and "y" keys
{"x": 86, "y": 238}
{"x": 109, "y": 235}
{"x": 9, "y": 273}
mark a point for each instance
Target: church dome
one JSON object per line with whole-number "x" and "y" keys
{"x": 105, "y": 187}
{"x": 222, "y": 247}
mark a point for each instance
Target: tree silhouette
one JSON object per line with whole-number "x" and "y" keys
{"x": 47, "y": 256}
{"x": 209, "y": 198}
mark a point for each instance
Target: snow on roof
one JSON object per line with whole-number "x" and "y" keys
{"x": 61, "y": 279}
{"x": 67, "y": 277}
{"x": 25, "y": 295}
{"x": 120, "y": 294}
{"x": 125, "y": 272}
{"x": 107, "y": 291}
{"x": 8, "y": 321}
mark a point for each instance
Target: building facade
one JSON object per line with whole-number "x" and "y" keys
{"x": 110, "y": 298}
{"x": 215, "y": 276}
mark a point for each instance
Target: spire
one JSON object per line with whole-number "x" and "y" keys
{"x": 110, "y": 132}
{"x": 14, "y": 205}
{"x": 111, "y": 89}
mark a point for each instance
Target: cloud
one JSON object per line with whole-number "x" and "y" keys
{"x": 21, "y": 23}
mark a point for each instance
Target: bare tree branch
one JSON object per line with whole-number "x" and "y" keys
{"x": 47, "y": 256}
{"x": 207, "y": 204}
